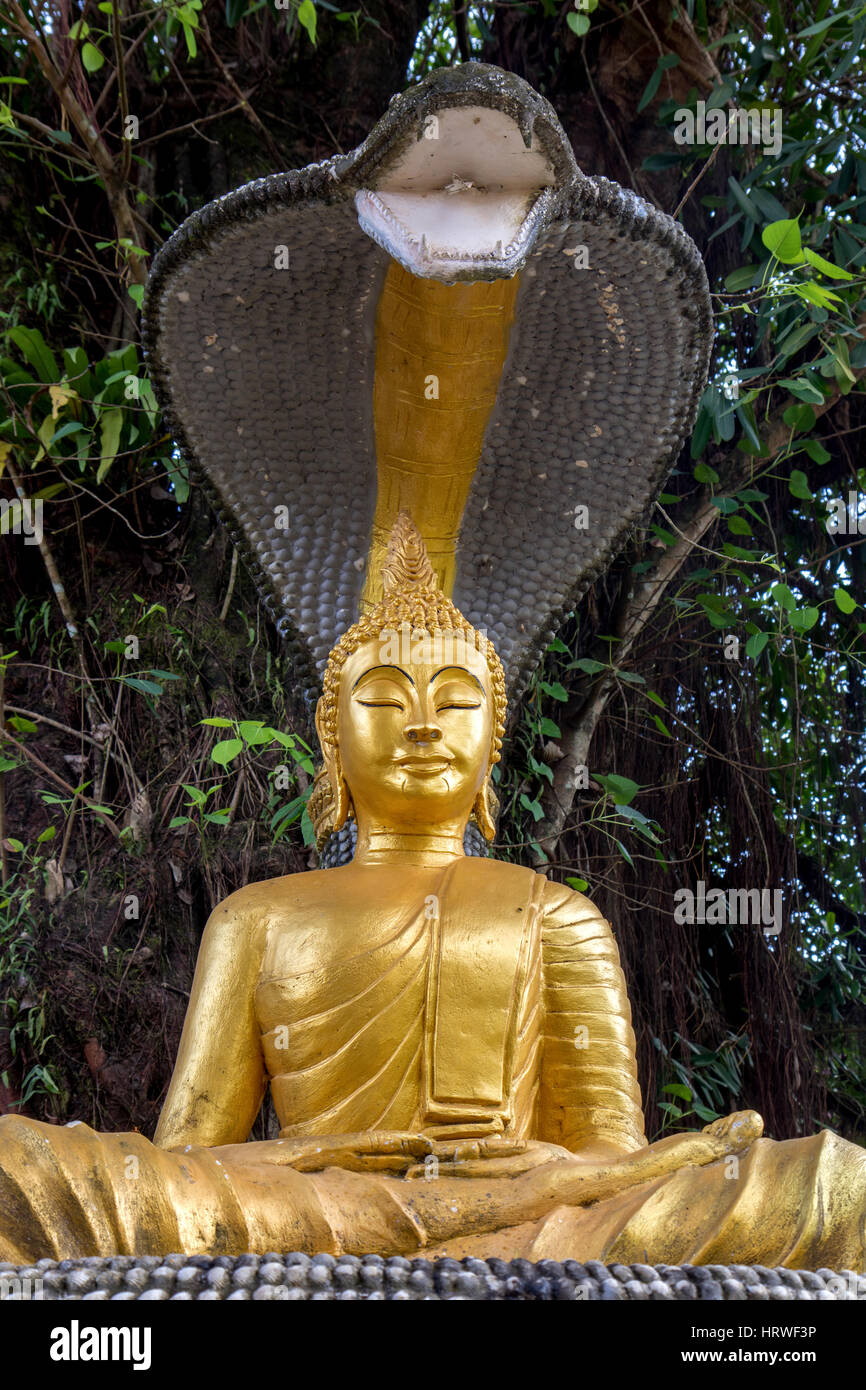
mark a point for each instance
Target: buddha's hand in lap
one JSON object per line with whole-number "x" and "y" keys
{"x": 591, "y": 1178}
{"x": 371, "y": 1151}
{"x": 496, "y": 1156}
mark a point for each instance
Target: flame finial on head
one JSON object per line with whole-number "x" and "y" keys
{"x": 407, "y": 564}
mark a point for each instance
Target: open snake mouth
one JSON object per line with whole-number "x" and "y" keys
{"x": 457, "y": 188}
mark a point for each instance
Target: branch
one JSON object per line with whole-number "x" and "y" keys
{"x": 103, "y": 161}
{"x": 635, "y": 614}
{"x": 73, "y": 792}
{"x": 811, "y": 875}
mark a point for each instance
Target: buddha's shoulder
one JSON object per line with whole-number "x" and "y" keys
{"x": 564, "y": 908}
{"x": 258, "y": 902}
{"x": 559, "y": 904}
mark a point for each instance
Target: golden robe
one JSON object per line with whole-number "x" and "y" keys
{"x": 493, "y": 1007}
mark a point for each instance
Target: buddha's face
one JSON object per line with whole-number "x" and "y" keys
{"x": 415, "y": 734}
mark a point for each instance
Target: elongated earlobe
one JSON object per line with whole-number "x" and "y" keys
{"x": 339, "y": 790}
{"x": 337, "y": 807}
{"x": 485, "y": 809}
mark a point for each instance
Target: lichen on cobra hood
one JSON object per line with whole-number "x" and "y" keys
{"x": 453, "y": 319}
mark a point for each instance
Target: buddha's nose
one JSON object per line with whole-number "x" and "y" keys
{"x": 423, "y": 733}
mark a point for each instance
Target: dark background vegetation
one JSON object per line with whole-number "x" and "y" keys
{"x": 119, "y": 829}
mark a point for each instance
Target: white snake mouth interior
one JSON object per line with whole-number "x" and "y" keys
{"x": 463, "y": 201}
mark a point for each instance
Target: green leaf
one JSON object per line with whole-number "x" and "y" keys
{"x": 746, "y": 416}
{"x": 796, "y": 338}
{"x": 308, "y": 829}
{"x": 624, "y": 852}
{"x": 188, "y": 29}
{"x": 756, "y": 644}
{"x": 842, "y": 358}
{"x": 804, "y": 619}
{"x": 798, "y": 485}
{"x": 704, "y": 473}
{"x": 844, "y": 601}
{"x": 726, "y": 505}
{"x": 664, "y": 535}
{"x": 739, "y": 526}
{"x": 742, "y": 279}
{"x": 799, "y": 417}
{"x": 681, "y": 1092}
{"x": 662, "y": 726}
{"x": 21, "y": 725}
{"x": 177, "y": 821}
{"x": 144, "y": 687}
{"x": 578, "y": 23}
{"x": 227, "y": 749}
{"x": 110, "y": 426}
{"x": 820, "y": 26}
{"x": 548, "y": 729}
{"x": 816, "y": 451}
{"x": 815, "y": 294}
{"x": 195, "y": 794}
{"x": 702, "y": 431}
{"x": 307, "y": 18}
{"x": 579, "y": 885}
{"x": 217, "y": 723}
{"x": 782, "y": 239}
{"x": 8, "y": 764}
{"x": 622, "y": 789}
{"x": 804, "y": 390}
{"x": 15, "y": 845}
{"x": 719, "y": 96}
{"x": 783, "y": 596}
{"x": 47, "y": 834}
{"x": 91, "y": 57}
{"x": 136, "y": 293}
{"x": 36, "y": 351}
{"x": 668, "y": 60}
{"x": 742, "y": 197}
{"x": 589, "y": 666}
{"x": 71, "y": 427}
{"x": 835, "y": 272}
{"x": 255, "y": 732}
{"x": 554, "y": 690}
{"x": 704, "y": 1114}
{"x": 531, "y": 805}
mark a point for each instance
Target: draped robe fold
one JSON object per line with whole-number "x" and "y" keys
{"x": 495, "y": 1006}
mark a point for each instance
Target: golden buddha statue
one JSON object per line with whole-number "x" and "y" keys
{"x": 447, "y": 1039}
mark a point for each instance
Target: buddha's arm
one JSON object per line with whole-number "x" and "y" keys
{"x": 590, "y": 1100}
{"x": 219, "y": 1076}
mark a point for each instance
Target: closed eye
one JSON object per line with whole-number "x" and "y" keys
{"x": 455, "y": 704}
{"x": 381, "y": 704}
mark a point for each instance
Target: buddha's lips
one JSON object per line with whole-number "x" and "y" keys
{"x": 425, "y": 767}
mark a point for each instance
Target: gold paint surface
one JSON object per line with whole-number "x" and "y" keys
{"x": 440, "y": 350}
{"x": 447, "y": 1040}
